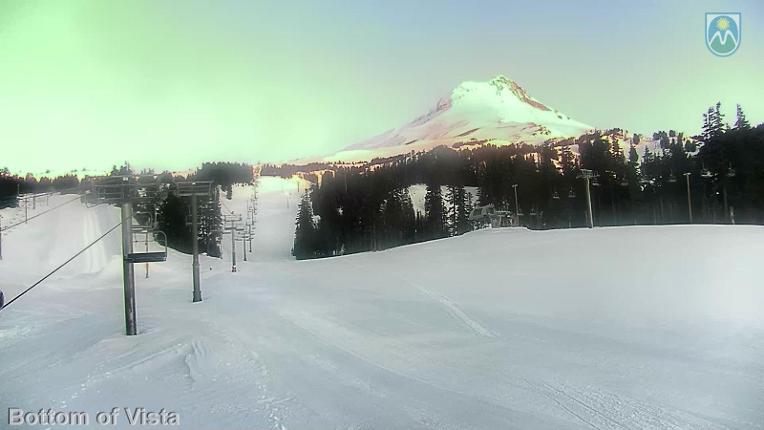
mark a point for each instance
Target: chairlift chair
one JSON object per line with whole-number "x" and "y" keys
{"x": 150, "y": 256}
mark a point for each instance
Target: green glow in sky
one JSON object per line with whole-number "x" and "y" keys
{"x": 168, "y": 84}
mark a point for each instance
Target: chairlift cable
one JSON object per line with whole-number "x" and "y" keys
{"x": 39, "y": 214}
{"x": 62, "y": 265}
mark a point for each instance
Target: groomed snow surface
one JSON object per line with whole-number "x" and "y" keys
{"x": 612, "y": 328}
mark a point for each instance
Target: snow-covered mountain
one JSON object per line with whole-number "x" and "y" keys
{"x": 498, "y": 111}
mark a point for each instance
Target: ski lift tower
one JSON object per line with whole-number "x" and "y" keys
{"x": 231, "y": 222}
{"x": 195, "y": 190}
{"x": 250, "y": 233}
{"x": 125, "y": 191}
{"x": 587, "y": 174}
{"x": 242, "y": 235}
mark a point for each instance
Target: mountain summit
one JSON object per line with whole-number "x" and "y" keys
{"x": 498, "y": 112}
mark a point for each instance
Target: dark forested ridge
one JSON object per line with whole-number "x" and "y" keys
{"x": 361, "y": 208}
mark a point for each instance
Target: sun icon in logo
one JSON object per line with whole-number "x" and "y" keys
{"x": 723, "y": 33}
{"x": 722, "y": 24}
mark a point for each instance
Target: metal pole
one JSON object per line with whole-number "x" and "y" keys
{"x": 195, "y": 248}
{"x": 26, "y": 210}
{"x": 233, "y": 247}
{"x": 128, "y": 278}
{"x": 154, "y": 222}
{"x": 589, "y": 204}
{"x": 250, "y": 239}
{"x": 244, "y": 248}
{"x": 517, "y": 205}
{"x": 147, "y": 249}
{"x": 689, "y": 196}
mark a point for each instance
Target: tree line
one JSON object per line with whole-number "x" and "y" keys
{"x": 164, "y": 210}
{"x": 360, "y": 208}
{"x": 11, "y": 186}
{"x": 173, "y": 211}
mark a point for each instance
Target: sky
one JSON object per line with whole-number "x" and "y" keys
{"x": 169, "y": 84}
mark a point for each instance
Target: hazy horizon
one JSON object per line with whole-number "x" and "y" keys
{"x": 82, "y": 81}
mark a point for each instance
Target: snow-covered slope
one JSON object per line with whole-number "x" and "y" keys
{"x": 417, "y": 192}
{"x": 274, "y": 224}
{"x": 498, "y": 111}
{"x": 613, "y": 328}
{"x": 59, "y": 226}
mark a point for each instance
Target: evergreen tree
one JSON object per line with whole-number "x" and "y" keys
{"x": 716, "y": 121}
{"x": 409, "y": 224}
{"x": 453, "y": 201}
{"x": 463, "y": 211}
{"x": 633, "y": 174}
{"x": 434, "y": 213}
{"x": 458, "y": 216}
{"x": 396, "y": 225}
{"x": 468, "y": 206}
{"x": 706, "y": 129}
{"x": 741, "y": 123}
{"x": 211, "y": 221}
{"x": 567, "y": 162}
{"x": 305, "y": 231}
{"x": 172, "y": 221}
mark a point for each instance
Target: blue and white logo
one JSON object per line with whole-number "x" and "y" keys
{"x": 723, "y": 33}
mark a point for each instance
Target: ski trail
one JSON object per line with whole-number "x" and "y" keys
{"x": 602, "y": 410}
{"x": 586, "y": 406}
{"x": 549, "y": 395}
{"x": 454, "y": 310}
